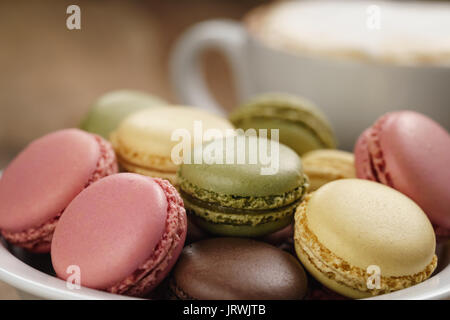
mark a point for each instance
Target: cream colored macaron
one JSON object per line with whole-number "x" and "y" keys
{"x": 325, "y": 165}
{"x": 348, "y": 230}
{"x": 144, "y": 141}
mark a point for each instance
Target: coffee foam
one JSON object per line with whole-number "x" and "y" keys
{"x": 409, "y": 33}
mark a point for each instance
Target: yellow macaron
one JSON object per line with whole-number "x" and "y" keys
{"x": 325, "y": 165}
{"x": 144, "y": 140}
{"x": 361, "y": 238}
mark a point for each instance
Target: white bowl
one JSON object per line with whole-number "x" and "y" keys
{"x": 31, "y": 275}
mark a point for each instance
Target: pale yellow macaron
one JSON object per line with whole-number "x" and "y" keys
{"x": 145, "y": 140}
{"x": 325, "y": 165}
{"x": 349, "y": 230}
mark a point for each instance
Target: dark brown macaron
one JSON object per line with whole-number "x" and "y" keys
{"x": 237, "y": 269}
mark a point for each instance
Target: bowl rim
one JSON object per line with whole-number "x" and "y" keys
{"x": 37, "y": 283}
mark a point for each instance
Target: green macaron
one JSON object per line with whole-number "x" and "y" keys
{"x": 241, "y": 196}
{"x": 108, "y": 111}
{"x": 302, "y": 126}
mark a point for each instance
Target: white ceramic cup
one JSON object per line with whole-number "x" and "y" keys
{"x": 352, "y": 93}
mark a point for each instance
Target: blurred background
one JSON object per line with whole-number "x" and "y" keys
{"x": 49, "y": 75}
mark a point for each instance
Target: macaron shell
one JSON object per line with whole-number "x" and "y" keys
{"x": 155, "y": 269}
{"x": 366, "y": 223}
{"x": 363, "y": 164}
{"x": 111, "y": 108}
{"x": 110, "y": 229}
{"x": 246, "y": 179}
{"x": 42, "y": 180}
{"x": 302, "y": 125}
{"x": 322, "y": 166}
{"x": 300, "y": 138}
{"x": 145, "y": 138}
{"x": 327, "y": 282}
{"x": 168, "y": 175}
{"x": 176, "y": 208}
{"x": 416, "y": 153}
{"x": 243, "y": 230}
{"x": 234, "y": 268}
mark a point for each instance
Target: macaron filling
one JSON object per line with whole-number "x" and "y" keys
{"x": 38, "y": 239}
{"x": 148, "y": 275}
{"x": 241, "y": 202}
{"x": 340, "y": 271}
{"x": 213, "y": 208}
{"x": 228, "y": 215}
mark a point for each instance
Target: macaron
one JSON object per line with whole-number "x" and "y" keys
{"x": 236, "y": 269}
{"x": 351, "y": 233}
{"x": 44, "y": 178}
{"x": 325, "y": 165}
{"x": 110, "y": 109}
{"x": 123, "y": 234}
{"x": 411, "y": 153}
{"x": 235, "y": 198}
{"x": 302, "y": 126}
{"x": 144, "y": 141}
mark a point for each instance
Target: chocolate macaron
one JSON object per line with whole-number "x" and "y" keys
{"x": 237, "y": 269}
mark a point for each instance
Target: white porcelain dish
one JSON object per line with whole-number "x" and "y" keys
{"x": 32, "y": 276}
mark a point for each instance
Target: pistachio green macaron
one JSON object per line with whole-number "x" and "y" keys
{"x": 110, "y": 109}
{"x": 246, "y": 195}
{"x": 302, "y": 126}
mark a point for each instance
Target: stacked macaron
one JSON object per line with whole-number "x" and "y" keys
{"x": 243, "y": 199}
{"x": 237, "y": 199}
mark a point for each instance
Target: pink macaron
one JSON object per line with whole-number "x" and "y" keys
{"x": 411, "y": 153}
{"x": 44, "y": 178}
{"x": 123, "y": 233}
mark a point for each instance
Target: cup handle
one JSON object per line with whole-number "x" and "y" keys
{"x": 227, "y": 36}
